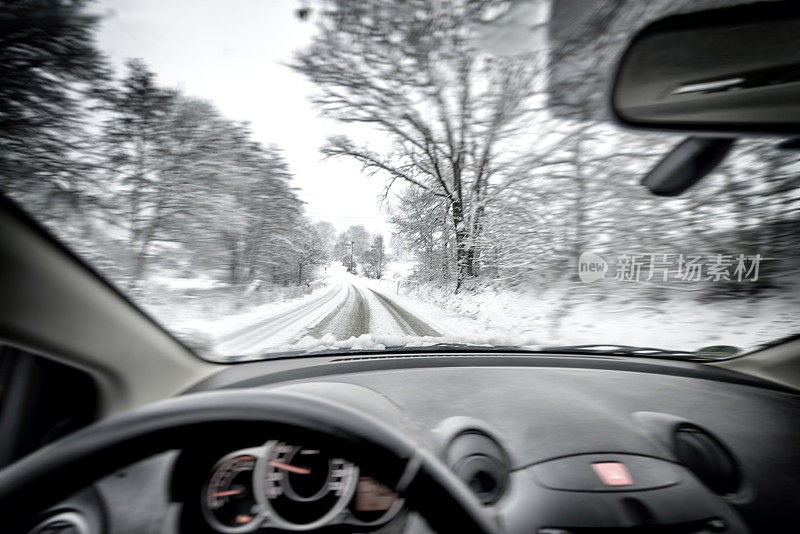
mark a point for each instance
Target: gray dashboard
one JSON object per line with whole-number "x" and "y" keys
{"x": 540, "y": 409}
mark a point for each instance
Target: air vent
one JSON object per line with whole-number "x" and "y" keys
{"x": 480, "y": 462}
{"x": 708, "y": 459}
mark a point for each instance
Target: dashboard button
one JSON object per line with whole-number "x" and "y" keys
{"x": 612, "y": 473}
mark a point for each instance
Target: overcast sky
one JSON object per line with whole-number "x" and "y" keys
{"x": 232, "y": 53}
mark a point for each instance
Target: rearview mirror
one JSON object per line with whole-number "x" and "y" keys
{"x": 731, "y": 70}
{"x": 687, "y": 164}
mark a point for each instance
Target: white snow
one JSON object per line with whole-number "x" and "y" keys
{"x": 678, "y": 323}
{"x": 451, "y": 325}
{"x": 487, "y": 316}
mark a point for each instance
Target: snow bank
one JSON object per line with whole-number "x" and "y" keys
{"x": 679, "y": 321}
{"x": 381, "y": 342}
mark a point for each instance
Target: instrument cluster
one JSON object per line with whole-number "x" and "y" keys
{"x": 292, "y": 487}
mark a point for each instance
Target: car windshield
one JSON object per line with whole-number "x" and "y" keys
{"x": 271, "y": 178}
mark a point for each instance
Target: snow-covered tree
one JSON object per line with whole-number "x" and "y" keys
{"x": 51, "y": 77}
{"x": 407, "y": 70}
{"x": 375, "y": 259}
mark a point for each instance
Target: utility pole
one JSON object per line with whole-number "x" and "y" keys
{"x": 352, "y": 246}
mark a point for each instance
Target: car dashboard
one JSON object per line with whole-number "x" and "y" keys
{"x": 549, "y": 444}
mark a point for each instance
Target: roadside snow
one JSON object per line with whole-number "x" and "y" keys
{"x": 220, "y": 326}
{"x": 399, "y": 269}
{"x": 450, "y": 324}
{"x": 173, "y": 282}
{"x": 380, "y": 342}
{"x": 680, "y": 322}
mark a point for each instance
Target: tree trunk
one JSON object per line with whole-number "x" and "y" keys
{"x": 139, "y": 266}
{"x": 471, "y": 261}
{"x": 445, "y": 266}
{"x": 463, "y": 258}
{"x": 233, "y": 265}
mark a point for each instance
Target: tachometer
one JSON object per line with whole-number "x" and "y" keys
{"x": 304, "y": 488}
{"x": 229, "y": 503}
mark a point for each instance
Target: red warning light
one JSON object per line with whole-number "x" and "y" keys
{"x": 612, "y": 473}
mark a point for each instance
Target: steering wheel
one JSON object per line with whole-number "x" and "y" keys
{"x": 59, "y": 469}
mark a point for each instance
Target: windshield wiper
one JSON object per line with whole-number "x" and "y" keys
{"x": 628, "y": 350}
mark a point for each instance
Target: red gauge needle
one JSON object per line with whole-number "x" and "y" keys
{"x": 290, "y": 468}
{"x": 225, "y": 493}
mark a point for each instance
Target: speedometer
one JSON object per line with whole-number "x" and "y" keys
{"x": 229, "y": 502}
{"x": 304, "y": 487}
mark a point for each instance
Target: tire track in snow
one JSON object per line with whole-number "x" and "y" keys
{"x": 409, "y": 322}
{"x": 322, "y": 328}
{"x": 244, "y": 339}
{"x": 350, "y": 319}
{"x": 362, "y": 319}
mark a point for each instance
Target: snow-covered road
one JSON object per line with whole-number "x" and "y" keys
{"x": 367, "y": 311}
{"x": 350, "y": 307}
